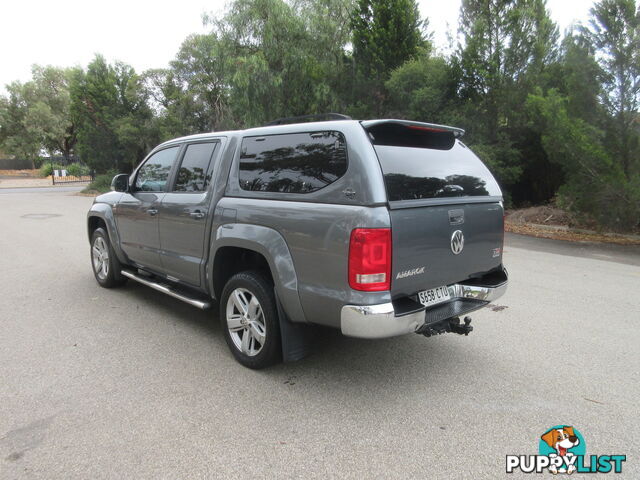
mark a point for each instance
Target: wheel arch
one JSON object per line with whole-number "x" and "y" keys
{"x": 238, "y": 247}
{"x": 101, "y": 215}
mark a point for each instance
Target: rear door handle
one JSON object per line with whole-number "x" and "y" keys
{"x": 197, "y": 214}
{"x": 152, "y": 211}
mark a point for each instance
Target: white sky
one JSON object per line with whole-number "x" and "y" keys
{"x": 148, "y": 33}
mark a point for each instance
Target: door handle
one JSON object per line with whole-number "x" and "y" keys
{"x": 152, "y": 211}
{"x": 197, "y": 214}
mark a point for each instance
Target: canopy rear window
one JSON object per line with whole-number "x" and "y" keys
{"x": 429, "y": 163}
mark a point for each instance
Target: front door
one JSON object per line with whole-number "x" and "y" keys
{"x": 184, "y": 212}
{"x": 137, "y": 212}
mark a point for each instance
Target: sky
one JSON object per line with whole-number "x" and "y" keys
{"x": 148, "y": 33}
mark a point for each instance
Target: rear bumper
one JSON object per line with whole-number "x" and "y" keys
{"x": 382, "y": 320}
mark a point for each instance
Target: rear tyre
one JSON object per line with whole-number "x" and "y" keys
{"x": 105, "y": 263}
{"x": 249, "y": 319}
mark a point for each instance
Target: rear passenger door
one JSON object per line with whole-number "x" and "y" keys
{"x": 184, "y": 213}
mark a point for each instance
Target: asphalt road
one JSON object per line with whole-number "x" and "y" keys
{"x": 129, "y": 383}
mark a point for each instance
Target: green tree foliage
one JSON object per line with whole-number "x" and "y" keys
{"x": 579, "y": 77}
{"x": 35, "y": 116}
{"x": 576, "y": 76}
{"x": 16, "y": 137}
{"x": 116, "y": 126}
{"x": 423, "y": 88}
{"x": 596, "y": 184}
{"x": 615, "y": 33}
{"x": 503, "y": 44}
{"x": 282, "y": 59}
{"x": 589, "y": 121}
{"x": 504, "y": 49}
{"x": 386, "y": 33}
{"x": 201, "y": 71}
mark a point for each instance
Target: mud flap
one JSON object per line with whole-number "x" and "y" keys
{"x": 296, "y": 337}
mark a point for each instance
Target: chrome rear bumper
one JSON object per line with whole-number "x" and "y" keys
{"x": 381, "y": 321}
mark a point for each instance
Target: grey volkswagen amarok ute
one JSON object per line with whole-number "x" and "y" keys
{"x": 377, "y": 228}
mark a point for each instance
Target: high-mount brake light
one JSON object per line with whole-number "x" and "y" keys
{"x": 427, "y": 129}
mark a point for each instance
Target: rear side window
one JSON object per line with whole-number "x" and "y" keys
{"x": 430, "y": 164}
{"x": 292, "y": 163}
{"x": 195, "y": 172}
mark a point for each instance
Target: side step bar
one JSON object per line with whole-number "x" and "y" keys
{"x": 161, "y": 287}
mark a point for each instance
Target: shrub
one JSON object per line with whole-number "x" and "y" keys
{"x": 47, "y": 169}
{"x": 77, "y": 170}
{"x": 101, "y": 184}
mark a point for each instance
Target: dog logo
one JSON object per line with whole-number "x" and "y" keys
{"x": 563, "y": 440}
{"x": 562, "y": 450}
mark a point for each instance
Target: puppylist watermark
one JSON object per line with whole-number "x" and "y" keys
{"x": 562, "y": 449}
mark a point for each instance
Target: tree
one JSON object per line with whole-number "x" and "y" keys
{"x": 575, "y": 76}
{"x": 15, "y": 138}
{"x": 115, "y": 127}
{"x": 386, "y": 33}
{"x": 596, "y": 185}
{"x": 423, "y": 89}
{"x": 36, "y": 115}
{"x": 201, "y": 71}
{"x": 615, "y": 32}
{"x": 580, "y": 79}
{"x": 276, "y": 66}
{"x": 587, "y": 119}
{"x": 328, "y": 26}
{"x": 504, "y": 48}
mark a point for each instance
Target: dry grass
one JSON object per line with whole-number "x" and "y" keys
{"x": 569, "y": 235}
{"x": 549, "y": 221}
{"x": 20, "y": 173}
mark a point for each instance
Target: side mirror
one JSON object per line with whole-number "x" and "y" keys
{"x": 120, "y": 183}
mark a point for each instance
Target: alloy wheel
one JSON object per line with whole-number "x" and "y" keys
{"x": 100, "y": 256}
{"x": 245, "y": 321}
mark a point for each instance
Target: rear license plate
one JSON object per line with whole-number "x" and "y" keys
{"x": 434, "y": 296}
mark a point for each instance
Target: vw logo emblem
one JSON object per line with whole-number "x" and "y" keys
{"x": 457, "y": 242}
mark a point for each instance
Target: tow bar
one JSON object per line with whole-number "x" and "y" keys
{"x": 452, "y": 325}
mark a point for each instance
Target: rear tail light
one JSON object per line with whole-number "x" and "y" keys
{"x": 504, "y": 227}
{"x": 370, "y": 259}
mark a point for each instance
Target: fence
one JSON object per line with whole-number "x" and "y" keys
{"x": 61, "y": 168}
{"x": 61, "y": 177}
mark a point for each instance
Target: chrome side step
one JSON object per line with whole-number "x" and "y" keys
{"x": 203, "y": 305}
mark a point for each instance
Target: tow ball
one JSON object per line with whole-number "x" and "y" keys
{"x": 452, "y": 325}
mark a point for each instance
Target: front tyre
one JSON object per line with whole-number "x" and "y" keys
{"x": 249, "y": 319}
{"x": 106, "y": 266}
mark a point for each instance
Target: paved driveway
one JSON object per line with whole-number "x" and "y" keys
{"x": 129, "y": 383}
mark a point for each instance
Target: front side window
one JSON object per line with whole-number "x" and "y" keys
{"x": 195, "y": 173}
{"x": 292, "y": 163}
{"x": 153, "y": 175}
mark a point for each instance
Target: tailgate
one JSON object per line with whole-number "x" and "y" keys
{"x": 445, "y": 206}
{"x": 424, "y": 244}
